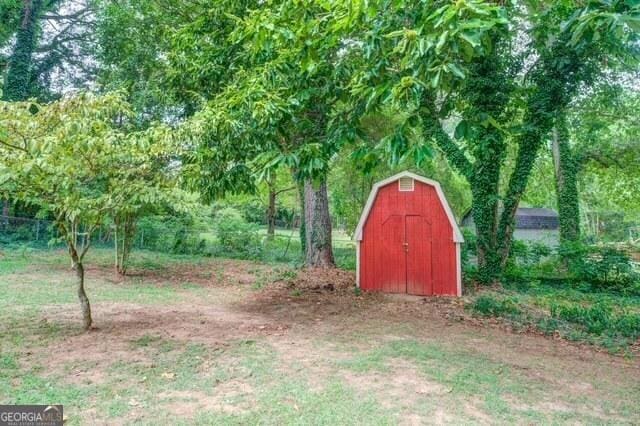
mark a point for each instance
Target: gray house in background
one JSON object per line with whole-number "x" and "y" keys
{"x": 532, "y": 224}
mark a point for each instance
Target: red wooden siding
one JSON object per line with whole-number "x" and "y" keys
{"x": 407, "y": 243}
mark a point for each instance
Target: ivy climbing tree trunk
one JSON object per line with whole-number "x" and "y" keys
{"x": 528, "y": 149}
{"x": 487, "y": 96}
{"x": 565, "y": 168}
{"x": 556, "y": 84}
{"x": 16, "y": 87}
{"x": 317, "y": 226}
{"x": 18, "y": 74}
{"x": 484, "y": 189}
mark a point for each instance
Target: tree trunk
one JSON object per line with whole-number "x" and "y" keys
{"x": 485, "y": 216}
{"x": 318, "y": 249}
{"x": 485, "y": 182}
{"x": 271, "y": 208}
{"x": 566, "y": 183}
{"x": 125, "y": 230}
{"x": 302, "y": 226}
{"x": 84, "y": 300}
{"x": 16, "y": 87}
{"x": 5, "y": 213}
{"x": 528, "y": 148}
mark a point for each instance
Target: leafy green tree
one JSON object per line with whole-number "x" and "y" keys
{"x": 278, "y": 107}
{"x": 74, "y": 162}
{"x": 601, "y": 136}
{"x": 504, "y": 73}
{"x": 360, "y": 165}
{"x": 51, "y": 38}
{"x": 132, "y": 47}
{"x": 605, "y": 149}
{"x": 287, "y": 83}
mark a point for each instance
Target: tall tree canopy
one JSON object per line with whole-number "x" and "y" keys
{"x": 288, "y": 83}
{"x": 505, "y": 73}
{"x": 49, "y": 45}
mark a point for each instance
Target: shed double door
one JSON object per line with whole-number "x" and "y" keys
{"x": 406, "y": 265}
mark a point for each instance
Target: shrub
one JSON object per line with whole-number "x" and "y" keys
{"x": 628, "y": 324}
{"x": 170, "y": 234}
{"x": 595, "y": 318}
{"x": 250, "y": 207}
{"x": 235, "y": 235}
{"x": 489, "y": 305}
{"x": 528, "y": 254}
{"x": 599, "y": 318}
{"x": 604, "y": 267}
{"x": 252, "y": 211}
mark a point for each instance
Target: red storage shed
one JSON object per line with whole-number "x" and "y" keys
{"x": 408, "y": 240}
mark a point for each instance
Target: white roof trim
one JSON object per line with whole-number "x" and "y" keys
{"x": 457, "y": 235}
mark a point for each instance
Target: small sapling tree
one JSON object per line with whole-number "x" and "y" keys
{"x": 75, "y": 161}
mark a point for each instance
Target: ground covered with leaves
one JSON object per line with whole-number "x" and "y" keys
{"x": 215, "y": 341}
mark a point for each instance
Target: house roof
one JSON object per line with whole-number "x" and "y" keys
{"x": 527, "y": 218}
{"x": 457, "y": 235}
{"x": 536, "y": 218}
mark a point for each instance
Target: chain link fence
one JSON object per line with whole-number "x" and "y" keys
{"x": 175, "y": 235}
{"x": 158, "y": 234}
{"x": 28, "y": 231}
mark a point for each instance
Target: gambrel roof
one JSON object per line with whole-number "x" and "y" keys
{"x": 457, "y": 235}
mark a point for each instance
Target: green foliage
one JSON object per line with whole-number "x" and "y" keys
{"x": 494, "y": 109}
{"x": 590, "y": 267}
{"x": 557, "y": 308}
{"x": 529, "y": 255}
{"x": 31, "y": 233}
{"x": 236, "y": 236}
{"x": 79, "y": 167}
{"x": 45, "y": 48}
{"x": 179, "y": 234}
{"x": 469, "y": 249}
{"x": 599, "y": 318}
{"x": 10, "y": 18}
{"x": 491, "y": 306}
{"x": 605, "y": 129}
{"x": 18, "y": 77}
{"x": 602, "y": 267}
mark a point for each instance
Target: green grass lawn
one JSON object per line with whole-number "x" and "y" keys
{"x": 210, "y": 341}
{"x": 285, "y": 248}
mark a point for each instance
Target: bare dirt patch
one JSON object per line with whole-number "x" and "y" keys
{"x": 222, "y": 398}
{"x": 213, "y": 272}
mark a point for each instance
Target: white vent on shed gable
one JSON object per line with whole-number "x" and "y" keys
{"x": 405, "y": 184}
